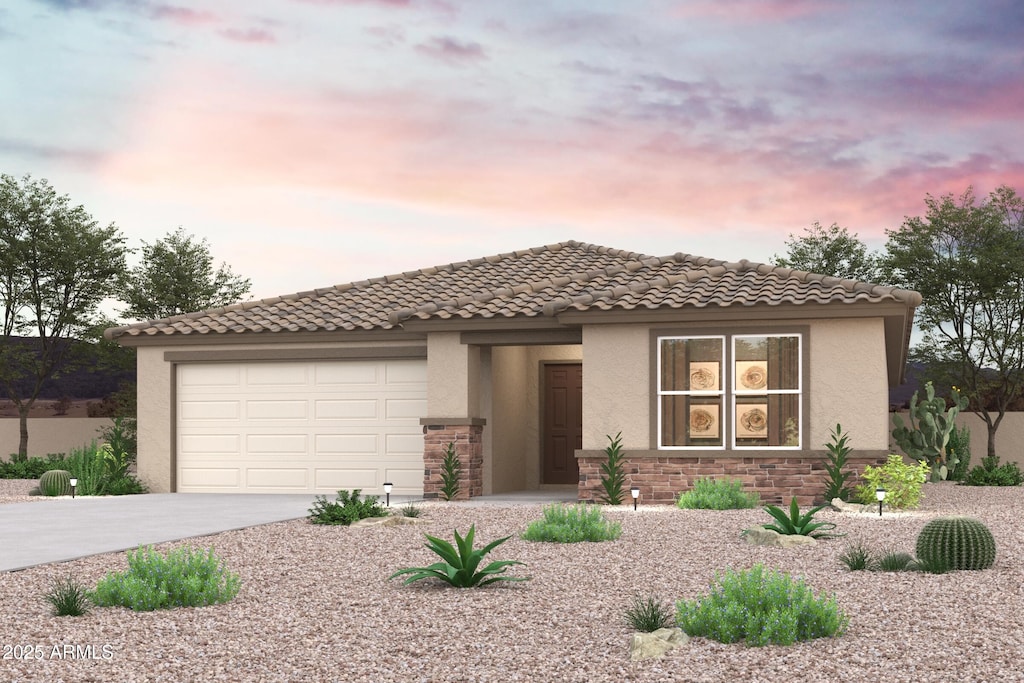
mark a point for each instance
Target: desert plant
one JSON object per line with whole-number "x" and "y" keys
{"x": 460, "y": 563}
{"x": 760, "y": 607}
{"x": 30, "y": 468}
{"x": 67, "y": 597}
{"x": 648, "y": 613}
{"x": 87, "y": 464}
{"x": 902, "y": 483}
{"x": 960, "y": 444}
{"x": 55, "y": 483}
{"x": 796, "y": 524}
{"x": 718, "y": 494}
{"x": 572, "y": 524}
{"x": 927, "y": 437}
{"x": 991, "y": 473}
{"x": 857, "y": 557}
{"x": 613, "y": 473}
{"x": 451, "y": 470}
{"x": 345, "y": 509}
{"x": 122, "y": 437}
{"x": 186, "y": 577}
{"x": 127, "y": 485}
{"x": 410, "y": 510}
{"x": 894, "y": 561}
{"x": 961, "y": 542}
{"x": 932, "y": 565}
{"x": 838, "y": 452}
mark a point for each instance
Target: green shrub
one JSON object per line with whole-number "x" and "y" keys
{"x": 410, "y": 510}
{"x": 451, "y": 470}
{"x": 991, "y": 473}
{"x": 838, "y": 452}
{"x": 122, "y": 437}
{"x": 760, "y": 607}
{"x": 30, "y": 468}
{"x": 55, "y": 483}
{"x": 959, "y": 542}
{"x": 67, "y": 597}
{"x": 894, "y": 561}
{"x": 613, "y": 473}
{"x": 796, "y": 524}
{"x": 902, "y": 483}
{"x": 718, "y": 494}
{"x": 345, "y": 509}
{"x": 960, "y": 446}
{"x": 186, "y": 577}
{"x": 459, "y": 566}
{"x": 88, "y": 466}
{"x": 933, "y": 565}
{"x": 572, "y": 524}
{"x": 857, "y": 557}
{"x": 127, "y": 485}
{"x": 647, "y": 614}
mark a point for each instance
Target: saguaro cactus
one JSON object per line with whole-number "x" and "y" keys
{"x": 928, "y": 435}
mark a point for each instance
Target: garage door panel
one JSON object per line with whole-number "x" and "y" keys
{"x": 277, "y": 410}
{"x": 307, "y": 426}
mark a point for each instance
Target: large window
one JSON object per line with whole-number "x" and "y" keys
{"x": 737, "y": 391}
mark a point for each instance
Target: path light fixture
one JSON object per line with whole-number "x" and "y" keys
{"x": 880, "y": 495}
{"x": 387, "y": 493}
{"x": 635, "y": 492}
{"x": 74, "y": 483}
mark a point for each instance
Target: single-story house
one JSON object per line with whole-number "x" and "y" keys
{"x": 528, "y": 362}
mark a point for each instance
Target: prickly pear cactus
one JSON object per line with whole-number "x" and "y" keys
{"x": 55, "y": 483}
{"x": 930, "y": 426}
{"x": 960, "y": 542}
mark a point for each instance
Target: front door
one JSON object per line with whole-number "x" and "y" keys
{"x": 563, "y": 422}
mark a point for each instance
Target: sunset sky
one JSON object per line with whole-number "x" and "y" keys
{"x": 316, "y": 142}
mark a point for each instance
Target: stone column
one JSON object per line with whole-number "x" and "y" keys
{"x": 467, "y": 435}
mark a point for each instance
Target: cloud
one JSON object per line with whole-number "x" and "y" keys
{"x": 753, "y": 11}
{"x": 252, "y": 35}
{"x": 34, "y": 151}
{"x": 182, "y": 15}
{"x": 452, "y": 50}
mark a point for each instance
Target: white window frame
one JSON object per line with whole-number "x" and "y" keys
{"x": 736, "y": 392}
{"x": 722, "y": 383}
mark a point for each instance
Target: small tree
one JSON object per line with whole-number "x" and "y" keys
{"x": 177, "y": 276}
{"x": 830, "y": 251}
{"x": 56, "y": 267}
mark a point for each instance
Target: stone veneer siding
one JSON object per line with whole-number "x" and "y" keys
{"x": 468, "y": 447}
{"x": 777, "y": 479}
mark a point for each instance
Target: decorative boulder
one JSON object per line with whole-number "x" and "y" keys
{"x": 387, "y": 521}
{"x": 656, "y": 644}
{"x": 760, "y": 536}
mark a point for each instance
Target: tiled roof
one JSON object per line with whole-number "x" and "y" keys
{"x": 544, "y": 281}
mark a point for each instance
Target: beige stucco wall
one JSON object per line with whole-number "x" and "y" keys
{"x": 515, "y": 412}
{"x": 847, "y": 383}
{"x": 50, "y": 434}
{"x": 453, "y": 376}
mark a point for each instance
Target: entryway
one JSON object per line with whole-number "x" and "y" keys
{"x": 563, "y": 422}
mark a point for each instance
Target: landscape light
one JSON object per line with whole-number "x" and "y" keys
{"x": 880, "y": 495}
{"x": 74, "y": 483}
{"x": 635, "y": 492}
{"x": 387, "y": 493}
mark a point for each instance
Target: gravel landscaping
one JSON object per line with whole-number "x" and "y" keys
{"x": 316, "y": 605}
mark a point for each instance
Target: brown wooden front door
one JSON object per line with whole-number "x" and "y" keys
{"x": 563, "y": 422}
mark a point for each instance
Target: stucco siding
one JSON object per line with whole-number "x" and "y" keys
{"x": 156, "y": 419}
{"x": 616, "y": 385}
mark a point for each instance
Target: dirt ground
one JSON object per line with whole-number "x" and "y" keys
{"x": 76, "y": 408}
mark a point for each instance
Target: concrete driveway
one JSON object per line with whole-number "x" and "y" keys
{"x": 66, "y": 529}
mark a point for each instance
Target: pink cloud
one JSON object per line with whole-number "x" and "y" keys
{"x": 452, "y": 50}
{"x": 747, "y": 11}
{"x": 182, "y": 15}
{"x": 252, "y": 35}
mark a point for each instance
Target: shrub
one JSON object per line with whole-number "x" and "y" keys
{"x": 345, "y": 509}
{"x": 959, "y": 542}
{"x": 795, "y": 524}
{"x": 186, "y": 577}
{"x": 718, "y": 494}
{"x": 55, "y": 483}
{"x": 451, "y": 470}
{"x": 30, "y": 468}
{"x": 991, "y": 473}
{"x": 67, "y": 597}
{"x": 902, "y": 483}
{"x": 613, "y": 474}
{"x": 960, "y": 446}
{"x": 410, "y": 510}
{"x": 857, "y": 557}
{"x": 933, "y": 565}
{"x": 459, "y": 568}
{"x": 127, "y": 485}
{"x": 838, "y": 451}
{"x": 88, "y": 466}
{"x": 122, "y": 437}
{"x": 760, "y": 607}
{"x": 572, "y": 524}
{"x": 894, "y": 561}
{"x": 647, "y": 614}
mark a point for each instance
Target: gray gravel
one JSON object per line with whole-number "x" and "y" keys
{"x": 315, "y": 605}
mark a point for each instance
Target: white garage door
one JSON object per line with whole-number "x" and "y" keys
{"x": 302, "y": 427}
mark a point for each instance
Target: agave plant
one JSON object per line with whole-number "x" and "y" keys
{"x": 795, "y": 524}
{"x": 459, "y": 567}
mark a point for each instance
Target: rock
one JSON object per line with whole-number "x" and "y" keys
{"x": 843, "y": 506}
{"x": 760, "y": 536}
{"x": 649, "y": 645}
{"x": 387, "y": 521}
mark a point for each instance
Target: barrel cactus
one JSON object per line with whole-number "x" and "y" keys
{"x": 55, "y": 483}
{"x": 958, "y": 542}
